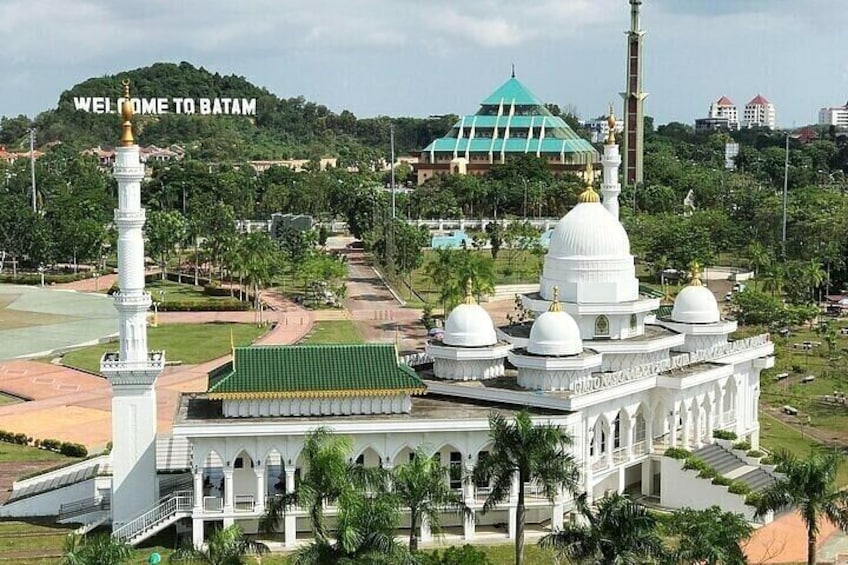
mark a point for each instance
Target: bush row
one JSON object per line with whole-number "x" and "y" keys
{"x": 224, "y": 305}
{"x": 35, "y": 279}
{"x": 706, "y": 472}
{"x": 724, "y": 434}
{"x": 66, "y": 448}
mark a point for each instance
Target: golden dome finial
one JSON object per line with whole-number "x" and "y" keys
{"x": 555, "y": 306}
{"x": 611, "y": 125}
{"x": 127, "y": 139}
{"x": 469, "y": 295}
{"x": 589, "y": 195}
{"x": 695, "y": 274}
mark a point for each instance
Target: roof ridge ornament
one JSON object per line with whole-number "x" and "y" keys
{"x": 611, "y": 126}
{"x": 513, "y": 70}
{"x": 589, "y": 195}
{"x": 555, "y": 305}
{"x": 695, "y": 274}
{"x": 469, "y": 295}
{"x": 127, "y": 139}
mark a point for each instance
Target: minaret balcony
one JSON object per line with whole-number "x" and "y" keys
{"x": 120, "y": 372}
{"x": 132, "y": 302}
{"x": 128, "y": 173}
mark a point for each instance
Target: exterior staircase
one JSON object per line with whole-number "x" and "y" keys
{"x": 729, "y": 465}
{"x": 170, "y": 509}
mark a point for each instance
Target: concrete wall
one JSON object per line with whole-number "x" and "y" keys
{"x": 48, "y": 503}
{"x": 681, "y": 489}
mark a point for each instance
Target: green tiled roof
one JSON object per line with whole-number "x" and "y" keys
{"x": 513, "y": 92}
{"x": 297, "y": 371}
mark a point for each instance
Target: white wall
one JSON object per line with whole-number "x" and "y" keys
{"x": 48, "y": 503}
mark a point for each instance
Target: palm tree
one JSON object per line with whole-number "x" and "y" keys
{"x": 773, "y": 277}
{"x": 257, "y": 262}
{"x": 709, "y": 537}
{"x": 531, "y": 453}
{"x": 617, "y": 532}
{"x": 810, "y": 485}
{"x": 760, "y": 259}
{"x": 814, "y": 275}
{"x": 364, "y": 533}
{"x": 101, "y": 549}
{"x": 422, "y": 487}
{"x": 227, "y": 546}
{"x": 327, "y": 476}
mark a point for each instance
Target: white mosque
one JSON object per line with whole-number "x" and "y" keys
{"x": 599, "y": 361}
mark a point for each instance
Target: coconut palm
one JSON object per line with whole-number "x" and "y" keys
{"x": 227, "y": 546}
{"x": 814, "y": 275}
{"x": 528, "y": 452}
{"x": 617, "y": 531}
{"x": 760, "y": 259}
{"x": 364, "y": 534}
{"x": 709, "y": 537}
{"x": 421, "y": 486}
{"x": 809, "y": 484}
{"x": 328, "y": 474}
{"x": 101, "y": 549}
{"x": 257, "y": 262}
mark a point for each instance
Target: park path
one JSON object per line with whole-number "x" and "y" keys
{"x": 785, "y": 540}
{"x": 72, "y": 405}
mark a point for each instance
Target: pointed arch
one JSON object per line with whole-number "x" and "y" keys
{"x": 602, "y": 327}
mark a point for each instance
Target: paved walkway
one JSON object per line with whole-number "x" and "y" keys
{"x": 98, "y": 284}
{"x": 784, "y": 540}
{"x": 70, "y": 405}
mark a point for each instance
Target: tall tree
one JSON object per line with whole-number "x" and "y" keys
{"x": 527, "y": 452}
{"x": 421, "y": 486}
{"x": 617, "y": 531}
{"x": 164, "y": 230}
{"x": 810, "y": 485}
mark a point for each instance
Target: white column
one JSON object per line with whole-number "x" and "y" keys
{"x": 557, "y": 511}
{"x": 647, "y": 477}
{"x": 198, "y": 489}
{"x": 711, "y": 422}
{"x": 649, "y": 433}
{"x": 261, "y": 488}
{"x": 289, "y": 521}
{"x": 631, "y": 434}
{"x": 468, "y": 495}
{"x": 289, "y": 471}
{"x": 672, "y": 427}
{"x": 687, "y": 428}
{"x": 611, "y": 188}
{"x": 699, "y": 428}
{"x": 426, "y": 534}
{"x": 720, "y": 420}
{"x": 610, "y": 445}
{"x": 197, "y": 532}
{"x": 229, "y": 497}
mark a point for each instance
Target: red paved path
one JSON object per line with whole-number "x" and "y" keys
{"x": 784, "y": 540}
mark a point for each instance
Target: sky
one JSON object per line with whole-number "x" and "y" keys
{"x": 423, "y": 57}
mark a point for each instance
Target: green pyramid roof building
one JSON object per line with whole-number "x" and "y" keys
{"x": 511, "y": 120}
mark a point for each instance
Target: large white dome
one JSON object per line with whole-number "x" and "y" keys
{"x": 555, "y": 333}
{"x": 695, "y": 304}
{"x": 469, "y": 325}
{"x": 589, "y": 230}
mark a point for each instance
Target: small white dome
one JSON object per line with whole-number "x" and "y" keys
{"x": 555, "y": 333}
{"x": 589, "y": 230}
{"x": 469, "y": 325}
{"x": 695, "y": 304}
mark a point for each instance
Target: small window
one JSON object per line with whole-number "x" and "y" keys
{"x": 361, "y": 459}
{"x": 633, "y": 321}
{"x": 480, "y": 457}
{"x": 602, "y": 326}
{"x": 455, "y": 470}
{"x": 239, "y": 463}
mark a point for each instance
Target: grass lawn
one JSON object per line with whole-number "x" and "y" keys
{"x": 14, "y": 452}
{"x": 6, "y": 399}
{"x": 184, "y": 293}
{"x": 188, "y": 343}
{"x": 333, "y": 332}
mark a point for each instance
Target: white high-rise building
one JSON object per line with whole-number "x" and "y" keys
{"x": 834, "y": 116}
{"x": 725, "y": 108}
{"x": 132, "y": 371}
{"x": 759, "y": 112}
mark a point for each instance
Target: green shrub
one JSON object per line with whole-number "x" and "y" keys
{"x": 738, "y": 487}
{"x": 677, "y": 453}
{"x": 35, "y": 279}
{"x": 753, "y": 499}
{"x": 755, "y": 453}
{"x": 214, "y": 289}
{"x": 69, "y": 449}
{"x": 224, "y": 305}
{"x": 722, "y": 481}
{"x": 51, "y": 444}
{"x": 743, "y": 445}
{"x": 708, "y": 473}
{"x": 724, "y": 434}
{"x": 465, "y": 555}
{"x": 696, "y": 464}
{"x": 767, "y": 460}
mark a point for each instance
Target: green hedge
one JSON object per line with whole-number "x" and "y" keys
{"x": 721, "y": 480}
{"x": 743, "y": 445}
{"x": 223, "y": 305}
{"x": 35, "y": 279}
{"x": 724, "y": 434}
{"x": 738, "y": 487}
{"x": 65, "y": 448}
{"x": 677, "y": 453}
{"x": 753, "y": 499}
{"x": 755, "y": 453}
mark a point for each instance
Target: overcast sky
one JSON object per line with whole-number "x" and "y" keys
{"x": 421, "y": 57}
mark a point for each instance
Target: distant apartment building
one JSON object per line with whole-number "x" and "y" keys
{"x": 759, "y": 112}
{"x": 834, "y": 116}
{"x": 599, "y": 128}
{"x": 726, "y": 109}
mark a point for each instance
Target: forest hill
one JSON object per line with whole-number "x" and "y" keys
{"x": 205, "y": 106}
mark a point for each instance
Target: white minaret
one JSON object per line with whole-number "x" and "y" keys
{"x": 611, "y": 188}
{"x": 132, "y": 371}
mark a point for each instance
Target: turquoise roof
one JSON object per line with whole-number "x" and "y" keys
{"x": 510, "y": 132}
{"x": 513, "y": 92}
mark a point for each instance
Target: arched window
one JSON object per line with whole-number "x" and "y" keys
{"x": 633, "y": 321}
{"x": 602, "y": 326}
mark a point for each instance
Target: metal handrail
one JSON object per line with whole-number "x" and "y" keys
{"x": 84, "y": 506}
{"x": 178, "y": 502}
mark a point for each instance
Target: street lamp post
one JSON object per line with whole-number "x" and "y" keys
{"x": 41, "y": 272}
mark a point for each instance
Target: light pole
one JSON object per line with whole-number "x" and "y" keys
{"x": 32, "y": 167}
{"x": 41, "y": 272}
{"x": 524, "y": 180}
{"x": 785, "y": 191}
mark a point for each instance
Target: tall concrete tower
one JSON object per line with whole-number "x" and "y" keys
{"x": 132, "y": 371}
{"x": 611, "y": 187}
{"x": 634, "y": 115}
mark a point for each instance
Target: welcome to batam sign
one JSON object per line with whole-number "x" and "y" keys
{"x": 169, "y": 105}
